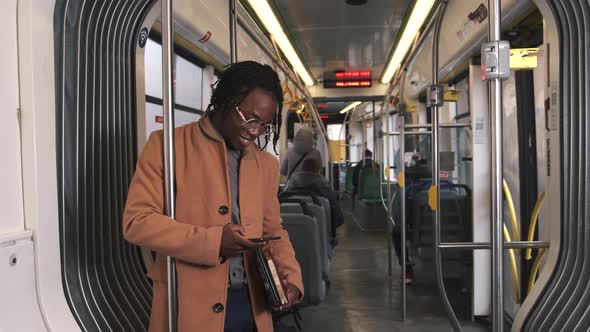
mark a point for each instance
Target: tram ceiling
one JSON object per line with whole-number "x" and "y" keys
{"x": 332, "y": 35}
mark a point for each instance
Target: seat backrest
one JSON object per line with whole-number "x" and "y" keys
{"x": 328, "y": 212}
{"x": 349, "y": 173}
{"x": 370, "y": 184}
{"x": 323, "y": 228}
{"x": 316, "y": 198}
{"x": 305, "y": 239}
{"x": 452, "y": 219}
{"x": 291, "y": 208}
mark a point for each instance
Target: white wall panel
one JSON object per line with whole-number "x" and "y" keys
{"x": 37, "y": 91}
{"x": 18, "y": 309}
{"x": 478, "y": 104}
{"x": 11, "y": 204}
{"x": 540, "y": 83}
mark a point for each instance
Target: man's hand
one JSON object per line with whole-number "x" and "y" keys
{"x": 234, "y": 241}
{"x": 293, "y": 295}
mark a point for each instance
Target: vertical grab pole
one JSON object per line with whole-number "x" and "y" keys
{"x": 169, "y": 159}
{"x": 386, "y": 152}
{"x": 385, "y": 159}
{"x": 233, "y": 21}
{"x": 374, "y": 135}
{"x": 495, "y": 109}
{"x": 401, "y": 182}
{"x": 435, "y": 100}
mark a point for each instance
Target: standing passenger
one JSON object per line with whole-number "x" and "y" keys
{"x": 225, "y": 194}
{"x": 302, "y": 148}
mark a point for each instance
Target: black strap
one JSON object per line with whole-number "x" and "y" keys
{"x": 296, "y": 165}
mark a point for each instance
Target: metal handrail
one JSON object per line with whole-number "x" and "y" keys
{"x": 169, "y": 158}
{"x": 488, "y": 245}
{"x": 440, "y": 125}
{"x": 401, "y": 183}
{"x": 495, "y": 106}
{"x": 435, "y": 175}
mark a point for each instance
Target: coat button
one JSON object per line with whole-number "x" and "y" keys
{"x": 218, "y": 307}
{"x": 223, "y": 210}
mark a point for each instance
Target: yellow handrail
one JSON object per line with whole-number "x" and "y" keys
{"x": 535, "y": 269}
{"x": 533, "y": 225}
{"x": 515, "y": 282}
{"x": 514, "y": 268}
{"x": 512, "y": 210}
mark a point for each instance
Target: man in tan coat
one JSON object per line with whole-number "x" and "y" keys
{"x": 226, "y": 193}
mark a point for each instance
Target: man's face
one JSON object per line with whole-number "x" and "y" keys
{"x": 259, "y": 109}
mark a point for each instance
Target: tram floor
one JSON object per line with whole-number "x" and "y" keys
{"x": 363, "y": 298}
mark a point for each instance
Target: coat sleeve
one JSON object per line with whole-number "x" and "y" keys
{"x": 281, "y": 250}
{"x": 146, "y": 225}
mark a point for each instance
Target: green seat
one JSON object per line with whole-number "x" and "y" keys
{"x": 349, "y": 172}
{"x": 369, "y": 185}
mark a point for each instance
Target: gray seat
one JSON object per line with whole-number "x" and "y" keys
{"x": 305, "y": 239}
{"x": 315, "y": 198}
{"x": 323, "y": 227}
{"x": 326, "y": 205}
{"x": 291, "y": 208}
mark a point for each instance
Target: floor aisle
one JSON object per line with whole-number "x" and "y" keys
{"x": 363, "y": 298}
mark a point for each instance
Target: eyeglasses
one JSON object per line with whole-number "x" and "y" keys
{"x": 253, "y": 124}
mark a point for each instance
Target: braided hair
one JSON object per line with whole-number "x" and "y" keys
{"x": 237, "y": 81}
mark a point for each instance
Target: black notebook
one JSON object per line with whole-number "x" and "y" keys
{"x": 272, "y": 281}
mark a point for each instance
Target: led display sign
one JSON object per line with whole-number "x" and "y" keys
{"x": 348, "y": 79}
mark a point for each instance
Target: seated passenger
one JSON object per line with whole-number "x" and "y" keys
{"x": 301, "y": 149}
{"x": 226, "y": 195}
{"x": 367, "y": 162}
{"x": 309, "y": 179}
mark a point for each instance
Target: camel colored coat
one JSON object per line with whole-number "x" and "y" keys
{"x": 202, "y": 208}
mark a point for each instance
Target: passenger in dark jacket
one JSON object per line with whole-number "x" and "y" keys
{"x": 310, "y": 180}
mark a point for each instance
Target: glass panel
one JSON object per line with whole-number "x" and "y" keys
{"x": 189, "y": 78}
{"x": 154, "y": 118}
{"x": 334, "y": 132}
{"x": 153, "y": 69}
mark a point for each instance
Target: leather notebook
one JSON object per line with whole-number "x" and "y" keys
{"x": 272, "y": 281}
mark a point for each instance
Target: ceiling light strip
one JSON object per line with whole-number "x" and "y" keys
{"x": 419, "y": 14}
{"x": 349, "y": 107}
{"x": 271, "y": 23}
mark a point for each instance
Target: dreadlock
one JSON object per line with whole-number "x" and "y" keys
{"x": 237, "y": 81}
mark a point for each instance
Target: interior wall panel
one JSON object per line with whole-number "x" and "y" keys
{"x": 564, "y": 304}
{"x": 103, "y": 275}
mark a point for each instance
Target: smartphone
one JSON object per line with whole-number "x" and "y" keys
{"x": 265, "y": 239}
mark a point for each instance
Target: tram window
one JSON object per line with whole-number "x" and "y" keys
{"x": 153, "y": 69}
{"x": 188, "y": 88}
{"x": 154, "y": 118}
{"x": 188, "y": 77}
{"x": 336, "y": 132}
{"x": 188, "y": 83}
{"x": 337, "y": 137}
